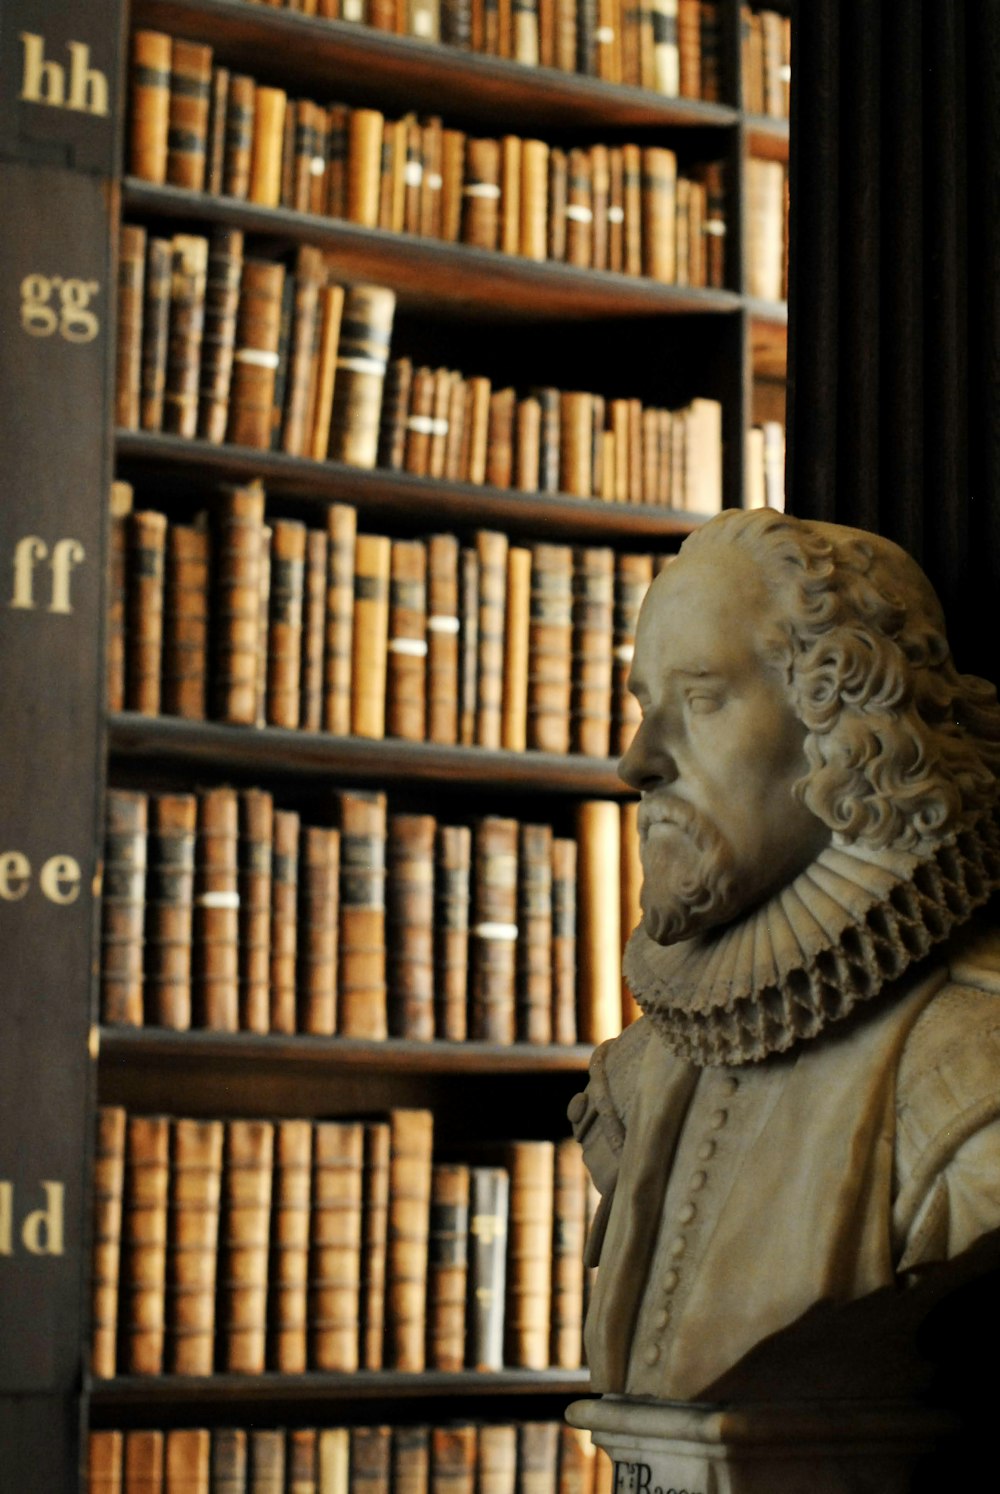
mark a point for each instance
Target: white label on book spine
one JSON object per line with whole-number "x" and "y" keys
{"x": 317, "y": 165}
{"x": 625, "y": 653}
{"x": 481, "y": 189}
{"x": 229, "y": 900}
{"x": 435, "y": 181}
{"x": 413, "y": 173}
{"x": 616, "y": 215}
{"x": 362, "y": 365}
{"x": 716, "y": 227}
{"x": 257, "y": 357}
{"x": 579, "y": 214}
{"x": 353, "y": 10}
{"x": 503, "y": 932}
{"x": 439, "y": 623}
{"x": 785, "y": 72}
{"x": 604, "y": 34}
{"x": 415, "y": 647}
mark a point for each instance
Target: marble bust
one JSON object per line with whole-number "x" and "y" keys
{"x": 804, "y": 1125}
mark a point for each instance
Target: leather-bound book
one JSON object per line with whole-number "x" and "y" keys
{"x": 489, "y": 1195}
{"x": 608, "y": 40}
{"x": 319, "y": 870}
{"x": 447, "y": 1266}
{"x": 468, "y": 658}
{"x": 149, "y": 117}
{"x": 229, "y": 1460}
{"x": 374, "y": 1243}
{"x": 586, "y": 37}
{"x": 330, "y": 314}
{"x": 616, "y": 209}
{"x": 666, "y": 54}
{"x": 689, "y": 47}
{"x": 632, "y": 196}
{"x": 109, "y": 1183}
{"x": 548, "y": 401}
{"x": 313, "y": 629}
{"x": 104, "y": 1462}
{"x": 189, "y": 270}
{"x": 529, "y": 1254}
{"x": 616, "y": 479}
{"x": 284, "y": 634}
{"x": 444, "y": 379}
{"x": 576, "y": 442}
{"x": 123, "y": 908}
{"x": 319, "y": 163}
{"x": 407, "y": 642}
{"x": 600, "y": 186}
{"x": 604, "y": 1472}
{"x": 453, "y": 857}
{"x": 525, "y": 26}
{"x": 392, "y": 175}
{"x": 593, "y": 605}
{"x": 456, "y": 444}
{"x": 546, "y": 32}
{"x": 371, "y": 1460}
{"x": 300, "y": 119}
{"x": 494, "y": 931}
{"x": 697, "y": 215}
{"x": 500, "y": 439}
{"x": 335, "y": 1246}
{"x": 419, "y": 423}
{"x": 479, "y": 423}
{"x": 598, "y": 422}
{"x": 453, "y": 1459}
{"x": 268, "y": 143}
{"x": 411, "y": 1458}
{"x": 411, "y": 1140}
{"x": 393, "y": 431}
{"x": 682, "y": 232}
{"x": 340, "y": 605}
{"x": 598, "y": 936}
{"x": 413, "y": 174}
{"x": 222, "y": 294}
{"x": 144, "y": 1457}
{"x": 284, "y": 919}
{"x": 443, "y": 628}
{"x": 155, "y": 325}
{"x": 576, "y": 1461}
{"x": 711, "y": 49}
{"x": 255, "y": 361}
{"x": 337, "y": 121}
{"x": 510, "y": 195}
{"x": 185, "y": 622}
{"x": 215, "y": 146}
{"x": 243, "y": 1245}
{"x": 296, "y": 425}
{"x": 410, "y": 925}
{"x": 497, "y": 1460}
{"x": 333, "y": 1460}
{"x": 365, "y": 334}
{"x": 128, "y": 357}
{"x": 288, "y": 1275}
{"x": 491, "y": 549}
{"x": 516, "y": 648}
{"x": 534, "y": 934}
{"x": 169, "y": 910}
{"x": 659, "y": 213}
{"x": 631, "y": 887}
{"x": 481, "y": 194}
{"x": 550, "y": 648}
{"x": 146, "y": 539}
{"x": 422, "y": 19}
{"x": 216, "y": 911}
{"x": 239, "y": 136}
{"x": 564, "y": 860}
{"x": 558, "y": 198}
{"x": 362, "y": 914}
{"x": 452, "y": 181}
{"x": 187, "y": 131}
{"x": 192, "y": 1252}
{"x": 144, "y": 1244}
{"x": 186, "y": 1460}
{"x": 255, "y": 851}
{"x": 650, "y": 455}
{"x": 527, "y": 436}
{"x": 267, "y": 1462}
{"x": 633, "y": 574}
{"x": 237, "y": 550}
{"x": 569, "y": 1230}
{"x": 538, "y": 1456}
{"x": 370, "y": 635}
{"x": 120, "y": 506}
{"x": 301, "y": 1458}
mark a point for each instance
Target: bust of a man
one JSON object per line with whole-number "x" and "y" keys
{"x": 807, "y": 1115}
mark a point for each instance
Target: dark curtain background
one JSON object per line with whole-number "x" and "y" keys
{"x": 894, "y": 303}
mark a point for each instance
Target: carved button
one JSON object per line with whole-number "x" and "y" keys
{"x": 670, "y": 1280}
{"x": 662, "y": 1317}
{"x": 698, "y": 1181}
{"x": 718, "y": 1119}
{"x": 651, "y": 1353}
{"x": 576, "y": 1108}
{"x": 687, "y": 1213}
{"x": 679, "y": 1246}
{"x": 706, "y": 1150}
{"x": 730, "y": 1085}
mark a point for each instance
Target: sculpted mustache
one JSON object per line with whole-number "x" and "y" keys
{"x": 670, "y": 810}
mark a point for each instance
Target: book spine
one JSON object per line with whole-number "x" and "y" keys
{"x": 370, "y": 635}
{"x": 216, "y": 911}
{"x": 331, "y": 310}
{"x": 255, "y": 854}
{"x": 569, "y": 1229}
{"x": 128, "y": 364}
{"x": 599, "y": 979}
{"x": 187, "y": 319}
{"x": 186, "y": 1459}
{"x": 500, "y": 439}
{"x": 146, "y": 546}
{"x": 340, "y": 608}
{"x": 104, "y": 1463}
{"x": 170, "y": 910}
{"x": 244, "y": 1237}
{"x": 255, "y": 360}
{"x": 195, "y": 1191}
{"x": 296, "y": 425}
{"x": 229, "y": 1461}
{"x": 108, "y": 1190}
{"x": 366, "y": 330}
{"x": 593, "y": 602}
{"x": 494, "y": 930}
{"x": 564, "y": 975}
{"x": 529, "y": 1254}
{"x": 215, "y": 147}
{"x": 313, "y": 629}
{"x": 491, "y": 549}
{"x": 453, "y": 1459}
{"x": 370, "y": 1460}
{"x": 468, "y": 682}
{"x": 393, "y": 431}
{"x": 143, "y": 1467}
{"x": 187, "y": 130}
{"x": 284, "y": 633}
{"x": 186, "y": 622}
{"x": 448, "y": 1266}
{"x": 689, "y": 47}
{"x": 497, "y": 1461}
{"x": 443, "y": 627}
{"x": 222, "y": 295}
{"x": 453, "y": 855}
{"x": 267, "y": 148}
{"x": 481, "y": 194}
{"x": 123, "y": 905}
{"x": 335, "y": 1245}
{"x": 364, "y": 153}
{"x": 550, "y": 648}
{"x": 375, "y": 1236}
{"x": 633, "y": 574}
{"x": 411, "y": 1133}
{"x": 363, "y": 1007}
{"x": 288, "y": 1276}
{"x": 266, "y": 1472}
{"x": 659, "y": 211}
{"x": 489, "y": 1189}
{"x": 534, "y": 934}
{"x": 666, "y": 54}
{"x": 149, "y": 116}
{"x": 319, "y": 874}
{"x": 301, "y": 1457}
{"x": 517, "y": 624}
{"x": 284, "y": 919}
{"x": 410, "y": 925}
{"x": 237, "y": 548}
{"x": 411, "y": 1460}
{"x": 577, "y": 1457}
{"x": 239, "y": 137}
{"x": 407, "y": 641}
{"x": 155, "y": 325}
{"x": 537, "y": 1454}
{"x": 144, "y": 1254}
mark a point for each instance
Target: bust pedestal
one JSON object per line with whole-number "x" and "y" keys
{"x": 822, "y": 1448}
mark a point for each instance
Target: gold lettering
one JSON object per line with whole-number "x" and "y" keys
{"x": 74, "y": 320}
{"x": 66, "y": 556}
{"x": 6, "y": 1218}
{"x": 42, "y": 1230}
{"x": 41, "y": 82}
{"x": 27, "y": 553}
{"x": 88, "y": 88}
{"x": 59, "y": 869}
{"x": 15, "y": 874}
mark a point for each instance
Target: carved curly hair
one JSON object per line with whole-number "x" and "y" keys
{"x": 901, "y": 747}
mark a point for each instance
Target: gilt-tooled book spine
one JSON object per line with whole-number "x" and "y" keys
{"x": 170, "y": 910}
{"x": 229, "y": 1461}
{"x": 187, "y": 131}
{"x": 534, "y": 934}
{"x": 155, "y": 326}
{"x": 222, "y": 295}
{"x": 215, "y": 145}
{"x": 633, "y": 574}
{"x": 123, "y": 908}
{"x": 491, "y": 550}
{"x": 593, "y": 602}
{"x": 537, "y": 1455}
{"x": 364, "y": 155}
{"x": 529, "y": 1254}
{"x": 284, "y": 633}
{"x": 659, "y": 204}
{"x": 481, "y": 194}
{"x": 393, "y": 432}
{"x": 216, "y": 911}
{"x": 489, "y": 1191}
{"x": 468, "y": 683}
{"x": 569, "y": 1230}
{"x": 564, "y": 859}
{"x": 313, "y": 628}
{"x": 599, "y": 928}
{"x": 335, "y": 1245}
{"x": 120, "y": 506}
{"x": 296, "y": 428}
{"x": 447, "y": 1266}
{"x": 189, "y": 270}
{"x": 144, "y": 1243}
{"x": 255, "y": 854}
{"x": 330, "y": 313}
{"x": 267, "y": 1462}
{"x": 411, "y": 1140}
{"x": 493, "y": 931}
{"x": 128, "y": 366}
{"x": 550, "y": 648}
{"x": 517, "y": 626}
{"x": 453, "y": 854}
{"x": 186, "y": 622}
{"x": 266, "y": 151}
{"x": 255, "y": 361}
{"x": 239, "y": 522}
{"x": 288, "y": 1276}
{"x": 244, "y": 1238}
{"x": 319, "y": 871}
{"x": 104, "y": 1462}
{"x": 443, "y": 627}
{"x": 370, "y": 635}
{"x": 689, "y": 47}
{"x": 576, "y": 443}
{"x": 109, "y": 1184}
{"x": 366, "y": 330}
{"x": 500, "y": 439}
{"x": 149, "y": 118}
{"x": 362, "y": 915}
{"x": 370, "y": 1461}
{"x": 239, "y": 136}
{"x": 146, "y": 546}
{"x": 284, "y": 919}
{"x": 374, "y": 1243}
{"x": 407, "y": 641}
{"x": 340, "y": 607}
{"x": 144, "y": 1455}
{"x": 497, "y": 1459}
{"x": 410, "y": 925}
{"x": 186, "y": 1459}
{"x": 195, "y": 1191}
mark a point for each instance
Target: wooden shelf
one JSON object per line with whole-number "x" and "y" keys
{"x": 160, "y": 742}
{"x": 431, "y": 275}
{"x": 768, "y": 338}
{"x": 363, "y": 1385}
{"x": 767, "y": 137}
{"x": 341, "y": 60}
{"x": 415, "y": 503}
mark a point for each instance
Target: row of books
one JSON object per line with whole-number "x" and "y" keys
{"x": 528, "y": 1457}
{"x": 671, "y": 46}
{"x": 240, "y": 1246}
{"x": 767, "y": 229}
{"x": 258, "y": 620}
{"x": 223, "y": 912}
{"x": 766, "y": 465}
{"x": 618, "y": 207}
{"x": 766, "y": 59}
{"x": 227, "y": 348}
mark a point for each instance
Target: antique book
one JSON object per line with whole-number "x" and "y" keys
{"x": 144, "y": 1459}
{"x": 579, "y": 209}
{"x": 189, "y": 271}
{"x": 255, "y": 360}
{"x": 576, "y": 444}
{"x": 266, "y": 149}
{"x": 303, "y": 348}
{"x": 500, "y": 439}
{"x": 370, "y": 635}
{"x": 105, "y": 1274}
{"x": 632, "y": 209}
{"x": 362, "y": 914}
{"x": 149, "y": 117}
{"x": 479, "y": 424}
{"x": 254, "y": 885}
{"x": 237, "y": 548}
{"x": 489, "y": 1191}
{"x": 550, "y": 648}
{"x": 305, "y": 152}
{"x": 593, "y": 605}
{"x": 443, "y": 628}
{"x": 337, "y": 116}
{"x": 537, "y": 1455}
{"x": 335, "y": 1245}
{"x": 364, "y": 154}
{"x": 239, "y": 136}
{"x": 600, "y": 187}
{"x": 169, "y": 910}
{"x": 558, "y": 198}
{"x": 282, "y": 360}
{"x": 509, "y": 239}
{"x": 689, "y": 47}
{"x": 491, "y": 549}
{"x": 119, "y": 506}
{"x": 243, "y": 1245}
{"x": 447, "y": 1266}
{"x": 104, "y": 1463}
{"x": 301, "y": 1454}
{"x": 616, "y": 209}
{"x": 215, "y": 965}
{"x": 187, "y": 1451}
{"x": 215, "y": 146}
{"x": 411, "y": 1138}
{"x": 569, "y": 1229}
{"x": 411, "y": 1457}
{"x": 468, "y": 658}
{"x": 659, "y": 209}
{"x": 711, "y": 51}
{"x": 599, "y": 938}
{"x": 497, "y": 1459}
{"x": 534, "y": 934}
{"x": 481, "y": 194}
{"x": 333, "y": 1454}
{"x": 703, "y": 459}
{"x": 586, "y": 37}
{"x": 410, "y": 925}
{"x": 313, "y": 630}
{"x": 514, "y": 708}
{"x": 452, "y": 180}
{"x": 284, "y": 631}
{"x": 666, "y": 55}
{"x": 453, "y": 1459}
{"x": 564, "y": 862}
{"x": 155, "y": 326}
{"x": 576, "y": 1461}
{"x": 444, "y": 380}
{"x": 331, "y": 310}
{"x": 419, "y": 423}
{"x": 266, "y": 1474}
{"x": 144, "y": 1244}
{"x": 187, "y": 128}
{"x": 406, "y": 668}
{"x": 370, "y": 1460}
{"x": 288, "y": 1273}
{"x": 453, "y": 853}
{"x": 340, "y": 606}
{"x": 284, "y": 920}
{"x": 192, "y": 1249}
{"x": 493, "y": 930}
{"x": 366, "y": 329}
{"x": 633, "y": 574}
{"x": 374, "y": 1243}
{"x": 184, "y": 689}
{"x": 527, "y": 444}
{"x": 229, "y": 1460}
{"x": 393, "y": 423}
{"x": 146, "y": 537}
{"x": 319, "y": 874}
{"x": 123, "y": 908}
{"x": 128, "y": 358}
{"x": 529, "y": 1254}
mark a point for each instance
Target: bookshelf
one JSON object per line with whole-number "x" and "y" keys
{"x": 476, "y": 310}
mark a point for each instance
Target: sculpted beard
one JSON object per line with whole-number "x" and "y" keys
{"x": 689, "y": 879}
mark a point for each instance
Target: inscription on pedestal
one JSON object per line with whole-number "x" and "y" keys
{"x": 637, "y": 1478}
